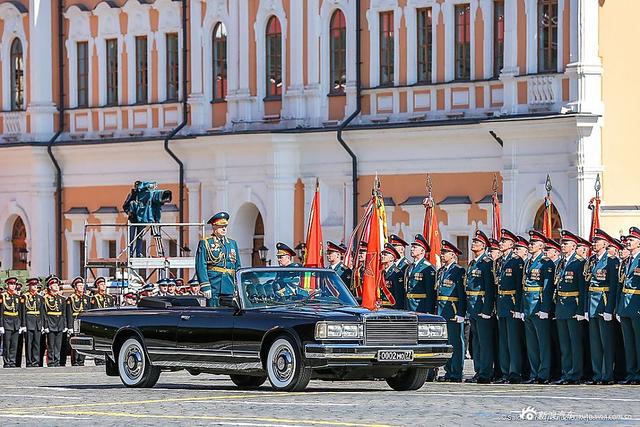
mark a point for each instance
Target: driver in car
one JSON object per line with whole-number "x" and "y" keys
{"x": 287, "y": 284}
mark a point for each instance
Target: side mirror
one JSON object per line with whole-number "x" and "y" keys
{"x": 229, "y": 301}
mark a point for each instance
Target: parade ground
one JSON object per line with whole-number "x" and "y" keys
{"x": 81, "y": 396}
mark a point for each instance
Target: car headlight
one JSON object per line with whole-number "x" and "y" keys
{"x": 76, "y": 325}
{"x": 432, "y": 331}
{"x": 337, "y": 330}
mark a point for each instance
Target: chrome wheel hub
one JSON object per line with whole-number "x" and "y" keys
{"x": 283, "y": 365}
{"x": 134, "y": 362}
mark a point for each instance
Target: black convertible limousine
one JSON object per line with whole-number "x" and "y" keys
{"x": 289, "y": 325}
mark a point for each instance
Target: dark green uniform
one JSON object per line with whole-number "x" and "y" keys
{"x": 421, "y": 281}
{"x": 452, "y": 302}
{"x": 55, "y": 324}
{"x": 510, "y": 329}
{"x": 344, "y": 272}
{"x": 217, "y": 260}
{"x": 11, "y": 322}
{"x": 394, "y": 277}
{"x": 601, "y": 298}
{"x": 629, "y": 312}
{"x": 570, "y": 295}
{"x": 76, "y": 305}
{"x": 102, "y": 301}
{"x": 537, "y": 297}
{"x": 480, "y": 290}
{"x": 33, "y": 321}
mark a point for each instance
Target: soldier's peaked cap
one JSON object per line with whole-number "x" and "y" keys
{"x": 334, "y": 247}
{"x": 508, "y": 235}
{"x": 494, "y": 245}
{"x": 193, "y": 281}
{"x": 584, "y": 242}
{"x": 450, "y": 247}
{"x": 283, "y": 249}
{"x": 388, "y": 248}
{"x": 567, "y": 235}
{"x": 535, "y": 235}
{"x": 419, "y": 240}
{"x": 33, "y": 281}
{"x": 481, "y": 237}
{"x": 77, "y": 280}
{"x": 617, "y": 244}
{"x": 166, "y": 282}
{"x": 522, "y": 242}
{"x": 220, "y": 219}
{"x": 550, "y": 243}
{"x": 11, "y": 280}
{"x": 599, "y": 234}
{"x": 99, "y": 280}
{"x": 634, "y": 232}
{"x": 51, "y": 280}
{"x": 394, "y": 239}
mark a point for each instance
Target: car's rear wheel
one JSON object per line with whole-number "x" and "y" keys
{"x": 285, "y": 367}
{"x": 134, "y": 367}
{"x": 246, "y": 381}
{"x": 410, "y": 379}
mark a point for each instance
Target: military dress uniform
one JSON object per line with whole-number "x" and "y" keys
{"x": 217, "y": 260}
{"x": 394, "y": 280}
{"x": 421, "y": 281}
{"x": 76, "y": 305}
{"x": 480, "y": 290}
{"x": 537, "y": 297}
{"x": 11, "y": 323}
{"x": 341, "y": 270}
{"x": 602, "y": 272}
{"x": 452, "y": 305}
{"x": 33, "y": 313}
{"x": 55, "y": 325}
{"x": 570, "y": 296}
{"x": 508, "y": 306}
{"x": 629, "y": 312}
{"x": 102, "y": 301}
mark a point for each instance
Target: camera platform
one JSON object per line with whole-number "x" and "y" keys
{"x": 135, "y": 254}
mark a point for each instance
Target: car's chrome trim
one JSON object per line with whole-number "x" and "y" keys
{"x": 203, "y": 352}
{"x": 81, "y": 343}
{"x": 361, "y": 352}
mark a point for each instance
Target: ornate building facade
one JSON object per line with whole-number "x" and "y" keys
{"x": 249, "y": 97}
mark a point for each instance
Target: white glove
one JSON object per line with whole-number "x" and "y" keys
{"x": 64, "y": 330}
{"x": 484, "y": 316}
{"x": 22, "y": 330}
{"x": 42, "y": 330}
{"x": 1, "y": 330}
{"x": 607, "y": 317}
{"x": 542, "y": 315}
{"x": 516, "y": 314}
{"x": 586, "y": 316}
{"x": 459, "y": 319}
{"x": 46, "y": 330}
{"x": 579, "y": 317}
{"x": 618, "y": 318}
{"x": 207, "y": 294}
{"x": 69, "y": 332}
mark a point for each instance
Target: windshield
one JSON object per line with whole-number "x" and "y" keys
{"x": 292, "y": 286}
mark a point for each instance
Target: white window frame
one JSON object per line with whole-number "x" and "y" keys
{"x": 373, "y": 18}
{"x": 139, "y": 24}
{"x": 13, "y": 28}
{"x": 410, "y": 13}
{"x": 170, "y": 21}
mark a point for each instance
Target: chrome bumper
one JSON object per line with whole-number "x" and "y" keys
{"x": 421, "y": 352}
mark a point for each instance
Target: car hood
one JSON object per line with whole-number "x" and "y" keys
{"x": 342, "y": 313}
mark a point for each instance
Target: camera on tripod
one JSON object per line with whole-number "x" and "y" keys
{"x": 144, "y": 202}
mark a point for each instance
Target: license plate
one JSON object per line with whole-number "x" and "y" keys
{"x": 395, "y": 355}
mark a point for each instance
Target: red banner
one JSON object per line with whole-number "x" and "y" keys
{"x": 431, "y": 232}
{"x": 594, "y": 206}
{"x": 497, "y": 222}
{"x": 547, "y": 229}
{"x": 373, "y": 272}
{"x": 314, "y": 256}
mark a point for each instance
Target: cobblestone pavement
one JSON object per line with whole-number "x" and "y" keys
{"x": 85, "y": 395}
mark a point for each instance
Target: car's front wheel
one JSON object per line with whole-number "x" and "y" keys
{"x": 285, "y": 367}
{"x": 410, "y": 379}
{"x": 134, "y": 367}
{"x": 246, "y": 381}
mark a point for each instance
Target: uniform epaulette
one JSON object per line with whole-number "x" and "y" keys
{"x": 487, "y": 258}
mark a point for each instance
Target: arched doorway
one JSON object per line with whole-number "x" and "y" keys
{"x": 556, "y": 221}
{"x": 19, "y": 244}
{"x": 258, "y": 241}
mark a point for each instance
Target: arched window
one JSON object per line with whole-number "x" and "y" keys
{"x": 556, "y": 221}
{"x": 17, "y": 76}
{"x": 338, "y": 52}
{"x": 219, "y": 56}
{"x": 274, "y": 58}
{"x": 19, "y": 244}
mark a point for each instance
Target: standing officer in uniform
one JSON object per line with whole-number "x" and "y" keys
{"x": 10, "y": 322}
{"x": 55, "y": 324}
{"x": 552, "y": 250}
{"x": 602, "y": 275}
{"x": 101, "y": 299}
{"x": 508, "y": 309}
{"x": 421, "y": 279}
{"x": 480, "y": 289}
{"x": 452, "y": 305}
{"x": 399, "y": 244}
{"x": 522, "y": 248}
{"x": 32, "y": 321}
{"x": 334, "y": 256}
{"x": 629, "y": 309}
{"x": 393, "y": 276}
{"x": 537, "y": 304}
{"x": 77, "y": 303}
{"x": 217, "y": 260}
{"x": 570, "y": 297}
{"x": 163, "y": 287}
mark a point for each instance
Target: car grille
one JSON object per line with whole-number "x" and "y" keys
{"x": 391, "y": 330}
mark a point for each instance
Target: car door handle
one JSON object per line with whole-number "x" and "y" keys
{"x": 185, "y": 317}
